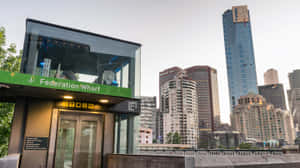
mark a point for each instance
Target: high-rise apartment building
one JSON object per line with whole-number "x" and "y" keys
{"x": 180, "y": 109}
{"x": 168, "y": 74}
{"x": 164, "y": 77}
{"x": 256, "y": 119}
{"x": 271, "y": 77}
{"x": 294, "y": 96}
{"x": 241, "y": 71}
{"x": 207, "y": 96}
{"x": 274, "y": 94}
{"x": 148, "y": 116}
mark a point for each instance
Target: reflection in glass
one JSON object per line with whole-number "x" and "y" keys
{"x": 87, "y": 144}
{"x": 53, "y": 51}
{"x": 74, "y": 61}
{"x": 65, "y": 144}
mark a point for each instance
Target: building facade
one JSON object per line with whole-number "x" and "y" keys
{"x": 256, "y": 119}
{"x": 145, "y": 136}
{"x": 286, "y": 125}
{"x": 294, "y": 104}
{"x": 294, "y": 79}
{"x": 294, "y": 96}
{"x": 159, "y": 127}
{"x": 241, "y": 70}
{"x": 274, "y": 94}
{"x": 180, "y": 109}
{"x": 271, "y": 77}
{"x": 148, "y": 116}
{"x": 164, "y": 77}
{"x": 208, "y": 96}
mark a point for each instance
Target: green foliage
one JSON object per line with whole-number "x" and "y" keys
{"x": 297, "y": 141}
{"x": 173, "y": 138}
{"x": 221, "y": 147}
{"x": 169, "y": 138}
{"x": 6, "y": 113}
{"x": 9, "y": 61}
{"x": 176, "y": 138}
{"x": 245, "y": 146}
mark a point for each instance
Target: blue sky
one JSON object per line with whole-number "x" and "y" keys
{"x": 173, "y": 32}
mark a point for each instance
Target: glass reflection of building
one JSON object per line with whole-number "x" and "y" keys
{"x": 241, "y": 71}
{"x": 58, "y": 52}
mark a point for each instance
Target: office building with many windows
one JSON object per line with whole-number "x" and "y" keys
{"x": 294, "y": 96}
{"x": 148, "y": 116}
{"x": 208, "y": 95}
{"x": 274, "y": 94}
{"x": 241, "y": 71}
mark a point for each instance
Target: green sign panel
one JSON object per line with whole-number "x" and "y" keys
{"x": 62, "y": 84}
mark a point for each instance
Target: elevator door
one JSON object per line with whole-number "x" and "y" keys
{"x": 79, "y": 141}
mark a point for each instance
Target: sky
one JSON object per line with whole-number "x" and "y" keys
{"x": 180, "y": 33}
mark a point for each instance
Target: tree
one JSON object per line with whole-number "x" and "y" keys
{"x": 173, "y": 138}
{"x": 9, "y": 61}
{"x": 169, "y": 138}
{"x": 245, "y": 146}
{"x": 154, "y": 141}
{"x": 176, "y": 138}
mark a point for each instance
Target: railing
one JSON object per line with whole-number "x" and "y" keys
{"x": 191, "y": 153}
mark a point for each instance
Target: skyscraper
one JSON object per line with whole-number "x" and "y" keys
{"x": 164, "y": 77}
{"x": 241, "y": 71}
{"x": 294, "y": 96}
{"x": 206, "y": 100}
{"x": 274, "y": 94}
{"x": 271, "y": 77}
{"x": 180, "y": 108}
{"x": 208, "y": 96}
{"x": 294, "y": 78}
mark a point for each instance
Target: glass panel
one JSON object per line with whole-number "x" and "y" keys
{"x": 65, "y": 144}
{"x": 87, "y": 144}
{"x": 123, "y": 133}
{"x": 58, "y": 52}
{"x": 116, "y": 136}
{"x": 125, "y": 76}
{"x": 137, "y": 74}
{"x": 136, "y": 133}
